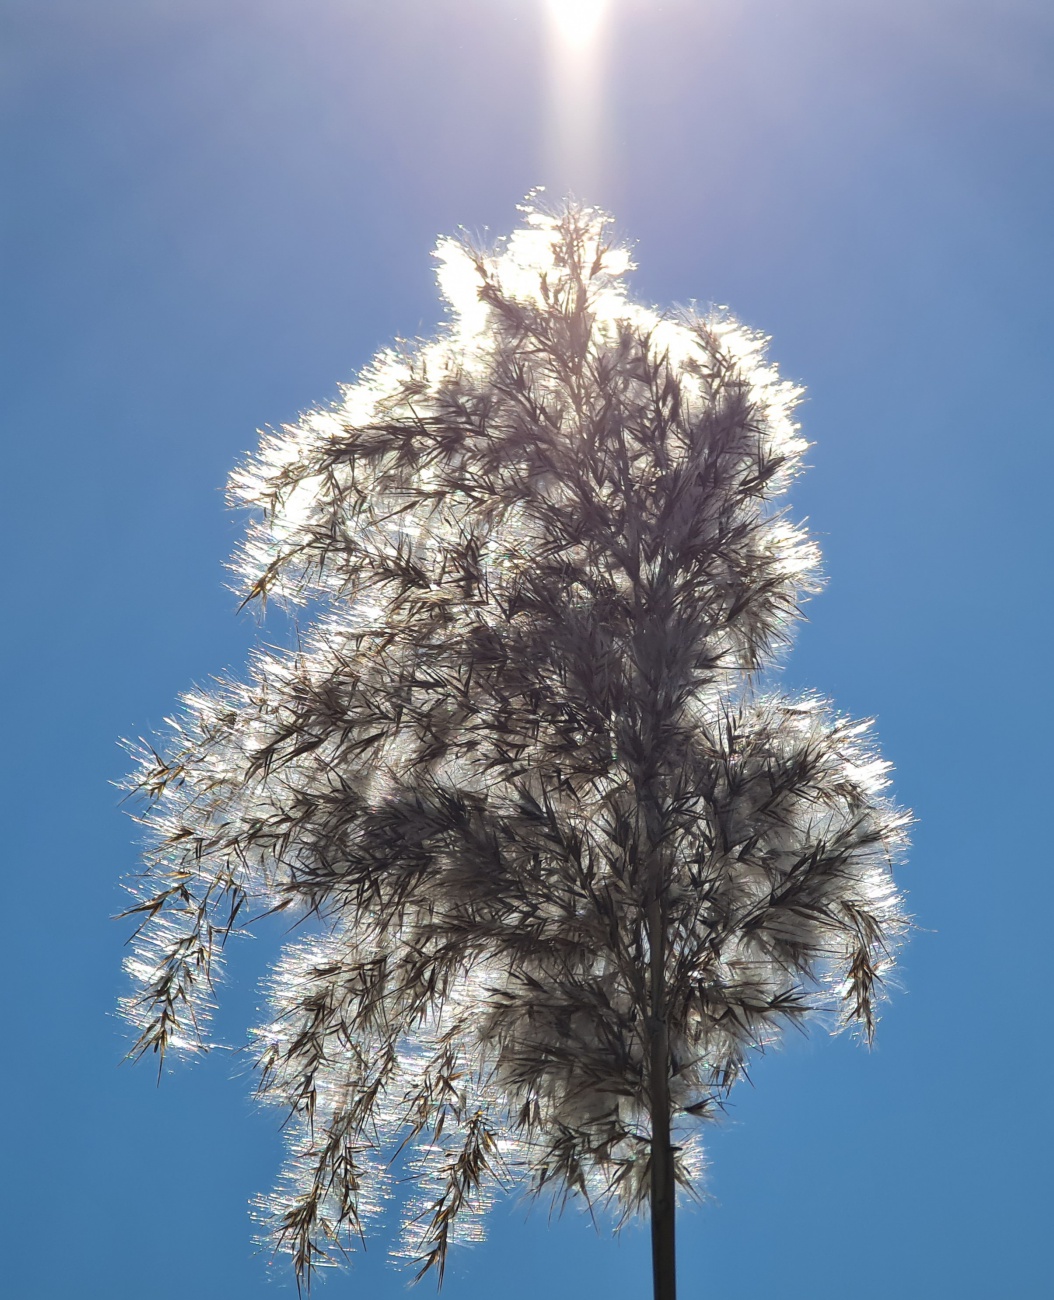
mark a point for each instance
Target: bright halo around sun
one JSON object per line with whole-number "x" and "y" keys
{"x": 577, "y": 21}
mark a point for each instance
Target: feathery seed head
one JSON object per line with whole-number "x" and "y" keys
{"x": 518, "y": 770}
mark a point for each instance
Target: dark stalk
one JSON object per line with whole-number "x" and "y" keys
{"x": 663, "y": 1190}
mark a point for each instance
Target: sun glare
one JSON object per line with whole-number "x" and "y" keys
{"x": 576, "y": 118}
{"x": 577, "y": 21}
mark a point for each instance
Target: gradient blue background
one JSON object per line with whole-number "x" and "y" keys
{"x": 216, "y": 209}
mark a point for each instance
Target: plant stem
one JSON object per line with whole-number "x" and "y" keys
{"x": 663, "y": 1194}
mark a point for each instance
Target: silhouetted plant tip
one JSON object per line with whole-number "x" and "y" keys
{"x": 569, "y": 863}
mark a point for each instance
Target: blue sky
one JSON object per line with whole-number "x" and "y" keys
{"x": 214, "y": 212}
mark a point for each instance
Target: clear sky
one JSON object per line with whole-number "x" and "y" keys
{"x": 215, "y": 210}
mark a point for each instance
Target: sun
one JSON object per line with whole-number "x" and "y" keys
{"x": 577, "y": 21}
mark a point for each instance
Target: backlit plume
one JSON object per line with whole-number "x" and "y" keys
{"x": 564, "y": 863}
